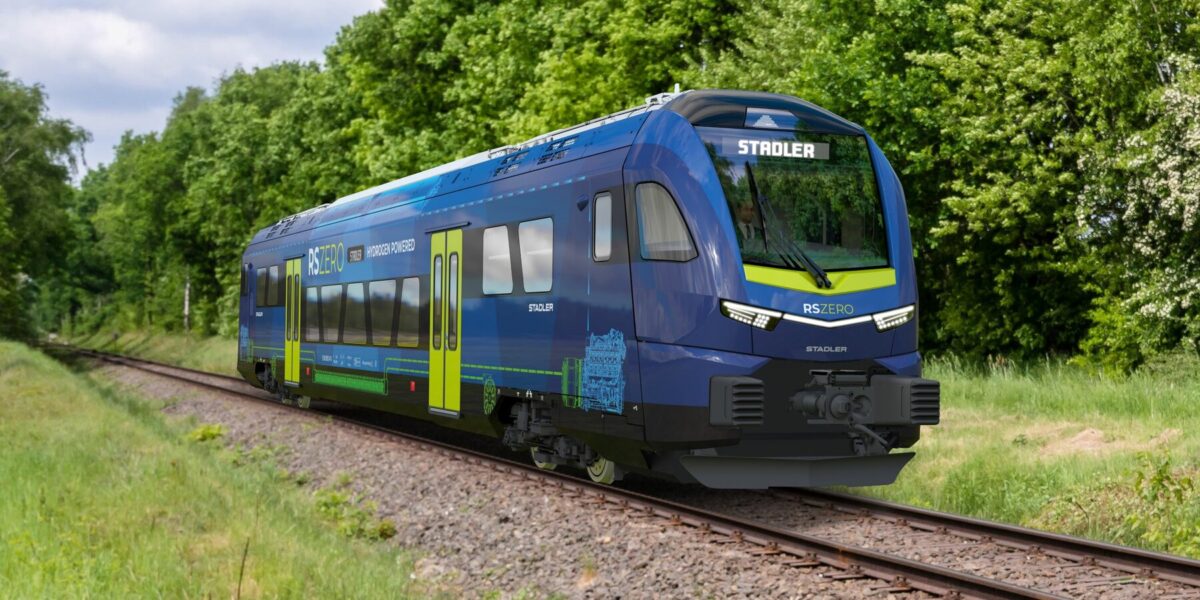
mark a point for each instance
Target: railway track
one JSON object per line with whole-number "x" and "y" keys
{"x": 1134, "y": 561}
{"x": 894, "y": 574}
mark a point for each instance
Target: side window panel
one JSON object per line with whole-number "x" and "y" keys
{"x": 282, "y": 286}
{"x": 331, "y": 313}
{"x": 273, "y": 285}
{"x": 664, "y": 236}
{"x": 537, "y": 254}
{"x": 260, "y": 288}
{"x": 355, "y": 329}
{"x": 410, "y": 313}
{"x": 245, "y": 285}
{"x": 497, "y": 263}
{"x": 602, "y": 228}
{"x": 312, "y": 325}
{"x": 383, "y": 304}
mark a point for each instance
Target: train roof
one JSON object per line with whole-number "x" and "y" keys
{"x": 702, "y": 108}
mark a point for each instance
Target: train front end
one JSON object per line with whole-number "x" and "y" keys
{"x": 778, "y": 339}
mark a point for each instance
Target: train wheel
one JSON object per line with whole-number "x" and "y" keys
{"x": 548, "y": 466}
{"x": 603, "y": 471}
{"x": 303, "y": 401}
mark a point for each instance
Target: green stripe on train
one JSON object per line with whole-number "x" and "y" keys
{"x": 373, "y": 385}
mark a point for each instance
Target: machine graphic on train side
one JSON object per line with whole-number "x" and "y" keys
{"x": 715, "y": 287}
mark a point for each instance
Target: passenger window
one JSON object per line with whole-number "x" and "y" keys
{"x": 281, "y": 293}
{"x": 537, "y": 254}
{"x": 452, "y": 300}
{"x": 664, "y": 236}
{"x": 383, "y": 307}
{"x": 312, "y": 314}
{"x": 273, "y": 286}
{"x": 602, "y": 228}
{"x": 331, "y": 313}
{"x": 260, "y": 288}
{"x": 354, "y": 330}
{"x": 497, "y": 263}
{"x": 410, "y": 313}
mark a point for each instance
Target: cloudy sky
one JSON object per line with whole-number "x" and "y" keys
{"x": 114, "y": 65}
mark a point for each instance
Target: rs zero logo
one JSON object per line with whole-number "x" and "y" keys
{"x": 828, "y": 309}
{"x": 330, "y": 258}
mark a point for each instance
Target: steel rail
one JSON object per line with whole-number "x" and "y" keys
{"x": 1136, "y": 561}
{"x": 899, "y": 574}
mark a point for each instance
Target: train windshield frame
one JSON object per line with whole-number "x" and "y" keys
{"x": 798, "y": 190}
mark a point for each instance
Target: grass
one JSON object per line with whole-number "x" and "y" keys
{"x": 104, "y": 498}
{"x": 1048, "y": 445}
{"x": 1056, "y": 447}
{"x": 213, "y": 354}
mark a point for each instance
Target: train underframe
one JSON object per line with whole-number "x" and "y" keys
{"x": 830, "y": 425}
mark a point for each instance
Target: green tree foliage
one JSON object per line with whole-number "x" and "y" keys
{"x": 1141, "y": 213}
{"x": 987, "y": 108}
{"x": 1046, "y": 148}
{"x": 37, "y": 156}
{"x": 404, "y": 88}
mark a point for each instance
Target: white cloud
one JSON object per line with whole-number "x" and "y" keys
{"x": 112, "y": 65}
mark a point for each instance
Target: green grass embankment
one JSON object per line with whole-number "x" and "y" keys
{"x": 1056, "y": 447}
{"x": 102, "y": 497}
{"x": 212, "y": 354}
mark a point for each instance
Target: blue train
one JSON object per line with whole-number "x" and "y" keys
{"x": 716, "y": 287}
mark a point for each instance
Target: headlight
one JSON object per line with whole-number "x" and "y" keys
{"x": 762, "y": 318}
{"x": 892, "y": 319}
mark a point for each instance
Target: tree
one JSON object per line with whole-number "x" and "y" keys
{"x": 986, "y": 109}
{"x": 1141, "y": 213}
{"x": 37, "y": 158}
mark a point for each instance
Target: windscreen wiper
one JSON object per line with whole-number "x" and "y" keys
{"x": 787, "y": 248}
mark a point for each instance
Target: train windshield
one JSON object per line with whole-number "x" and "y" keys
{"x": 799, "y": 194}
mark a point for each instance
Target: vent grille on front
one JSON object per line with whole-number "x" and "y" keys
{"x": 925, "y": 402}
{"x": 746, "y": 403}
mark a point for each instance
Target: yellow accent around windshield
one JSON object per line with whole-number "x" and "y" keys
{"x": 844, "y": 282}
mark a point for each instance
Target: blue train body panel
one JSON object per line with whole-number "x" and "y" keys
{"x": 557, "y": 303}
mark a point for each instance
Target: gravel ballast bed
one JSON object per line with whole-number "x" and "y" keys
{"x": 987, "y": 559}
{"x": 480, "y": 531}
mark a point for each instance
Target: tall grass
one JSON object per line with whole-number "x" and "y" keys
{"x": 1056, "y": 446}
{"x": 103, "y": 498}
{"x": 213, "y": 354}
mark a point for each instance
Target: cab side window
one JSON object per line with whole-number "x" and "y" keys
{"x": 663, "y": 234}
{"x": 602, "y": 227}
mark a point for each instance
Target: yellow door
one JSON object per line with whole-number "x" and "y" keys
{"x": 291, "y": 328}
{"x": 445, "y": 322}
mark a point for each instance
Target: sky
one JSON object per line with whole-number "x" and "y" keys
{"x": 116, "y": 65}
